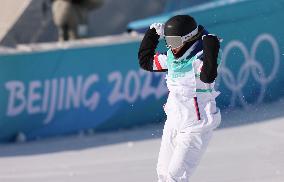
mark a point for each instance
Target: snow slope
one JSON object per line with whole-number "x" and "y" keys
{"x": 249, "y": 147}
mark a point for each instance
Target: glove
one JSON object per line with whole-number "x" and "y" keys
{"x": 212, "y": 36}
{"x": 159, "y": 27}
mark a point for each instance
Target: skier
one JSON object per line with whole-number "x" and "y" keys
{"x": 191, "y": 64}
{"x": 71, "y": 17}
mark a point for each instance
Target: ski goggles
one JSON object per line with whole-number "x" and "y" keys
{"x": 175, "y": 42}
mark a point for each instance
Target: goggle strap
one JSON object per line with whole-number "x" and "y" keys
{"x": 190, "y": 35}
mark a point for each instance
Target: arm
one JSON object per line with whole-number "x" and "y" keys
{"x": 211, "y": 46}
{"x": 148, "y": 60}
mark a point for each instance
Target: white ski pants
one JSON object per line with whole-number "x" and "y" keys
{"x": 187, "y": 131}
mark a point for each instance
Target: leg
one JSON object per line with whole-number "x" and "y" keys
{"x": 186, "y": 157}
{"x": 166, "y": 151}
{"x": 65, "y": 36}
{"x": 72, "y": 34}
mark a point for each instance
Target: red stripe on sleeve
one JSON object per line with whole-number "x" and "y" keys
{"x": 157, "y": 63}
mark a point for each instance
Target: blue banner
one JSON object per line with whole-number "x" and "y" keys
{"x": 55, "y": 92}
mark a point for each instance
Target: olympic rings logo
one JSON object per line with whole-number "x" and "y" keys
{"x": 251, "y": 65}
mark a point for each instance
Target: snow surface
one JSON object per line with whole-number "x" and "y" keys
{"x": 248, "y": 147}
